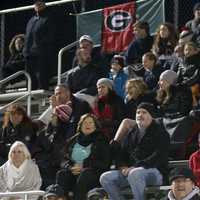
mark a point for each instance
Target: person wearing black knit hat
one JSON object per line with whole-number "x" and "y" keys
{"x": 182, "y": 185}
{"x": 142, "y": 158}
{"x": 148, "y": 107}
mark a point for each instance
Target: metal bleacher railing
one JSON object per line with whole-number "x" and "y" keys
{"x": 60, "y": 54}
{"x": 23, "y": 95}
{"x": 22, "y": 195}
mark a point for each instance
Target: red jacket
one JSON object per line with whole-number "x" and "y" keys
{"x": 194, "y": 163}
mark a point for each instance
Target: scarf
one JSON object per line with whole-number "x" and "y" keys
{"x": 103, "y": 109}
{"x": 15, "y": 174}
{"x": 85, "y": 140}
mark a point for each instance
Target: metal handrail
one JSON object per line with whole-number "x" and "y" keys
{"x": 11, "y": 10}
{"x": 23, "y": 193}
{"x": 13, "y": 76}
{"x": 60, "y": 54}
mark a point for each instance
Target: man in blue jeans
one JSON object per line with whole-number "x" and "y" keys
{"x": 142, "y": 158}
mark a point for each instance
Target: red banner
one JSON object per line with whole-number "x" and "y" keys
{"x": 117, "y": 27}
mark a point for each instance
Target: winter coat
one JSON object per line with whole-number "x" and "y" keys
{"x": 83, "y": 79}
{"x": 110, "y": 111}
{"x": 151, "y": 78}
{"x": 193, "y": 195}
{"x": 40, "y": 35}
{"x": 99, "y": 158}
{"x": 194, "y": 163}
{"x": 179, "y": 104}
{"x": 137, "y": 49}
{"x": 189, "y": 72}
{"x": 119, "y": 82}
{"x": 15, "y": 63}
{"x": 24, "y": 132}
{"x": 150, "y": 152}
{"x": 100, "y": 60}
{"x": 193, "y": 25}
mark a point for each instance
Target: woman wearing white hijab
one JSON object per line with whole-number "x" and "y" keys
{"x": 19, "y": 173}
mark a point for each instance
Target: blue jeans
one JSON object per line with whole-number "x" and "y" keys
{"x": 138, "y": 178}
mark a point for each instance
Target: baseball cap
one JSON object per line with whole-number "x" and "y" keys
{"x": 86, "y": 37}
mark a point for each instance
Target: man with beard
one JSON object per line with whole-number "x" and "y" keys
{"x": 39, "y": 47}
{"x": 83, "y": 78}
{"x": 142, "y": 158}
{"x": 183, "y": 185}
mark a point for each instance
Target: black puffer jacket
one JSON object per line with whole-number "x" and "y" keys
{"x": 151, "y": 151}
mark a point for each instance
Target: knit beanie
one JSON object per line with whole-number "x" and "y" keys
{"x": 63, "y": 112}
{"x": 181, "y": 173}
{"x": 170, "y": 76}
{"x": 148, "y": 107}
{"x": 105, "y": 81}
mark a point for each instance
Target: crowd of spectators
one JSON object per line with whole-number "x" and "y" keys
{"x": 135, "y": 113}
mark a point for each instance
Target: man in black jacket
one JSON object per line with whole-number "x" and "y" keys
{"x": 182, "y": 185}
{"x": 142, "y": 158}
{"x": 39, "y": 47}
{"x": 83, "y": 78}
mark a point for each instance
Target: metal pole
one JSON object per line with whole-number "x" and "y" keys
{"x": 60, "y": 2}
{"x": 176, "y": 13}
{"x": 2, "y": 39}
{"x": 29, "y": 86}
{"x": 60, "y": 59}
{"x": 29, "y": 92}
